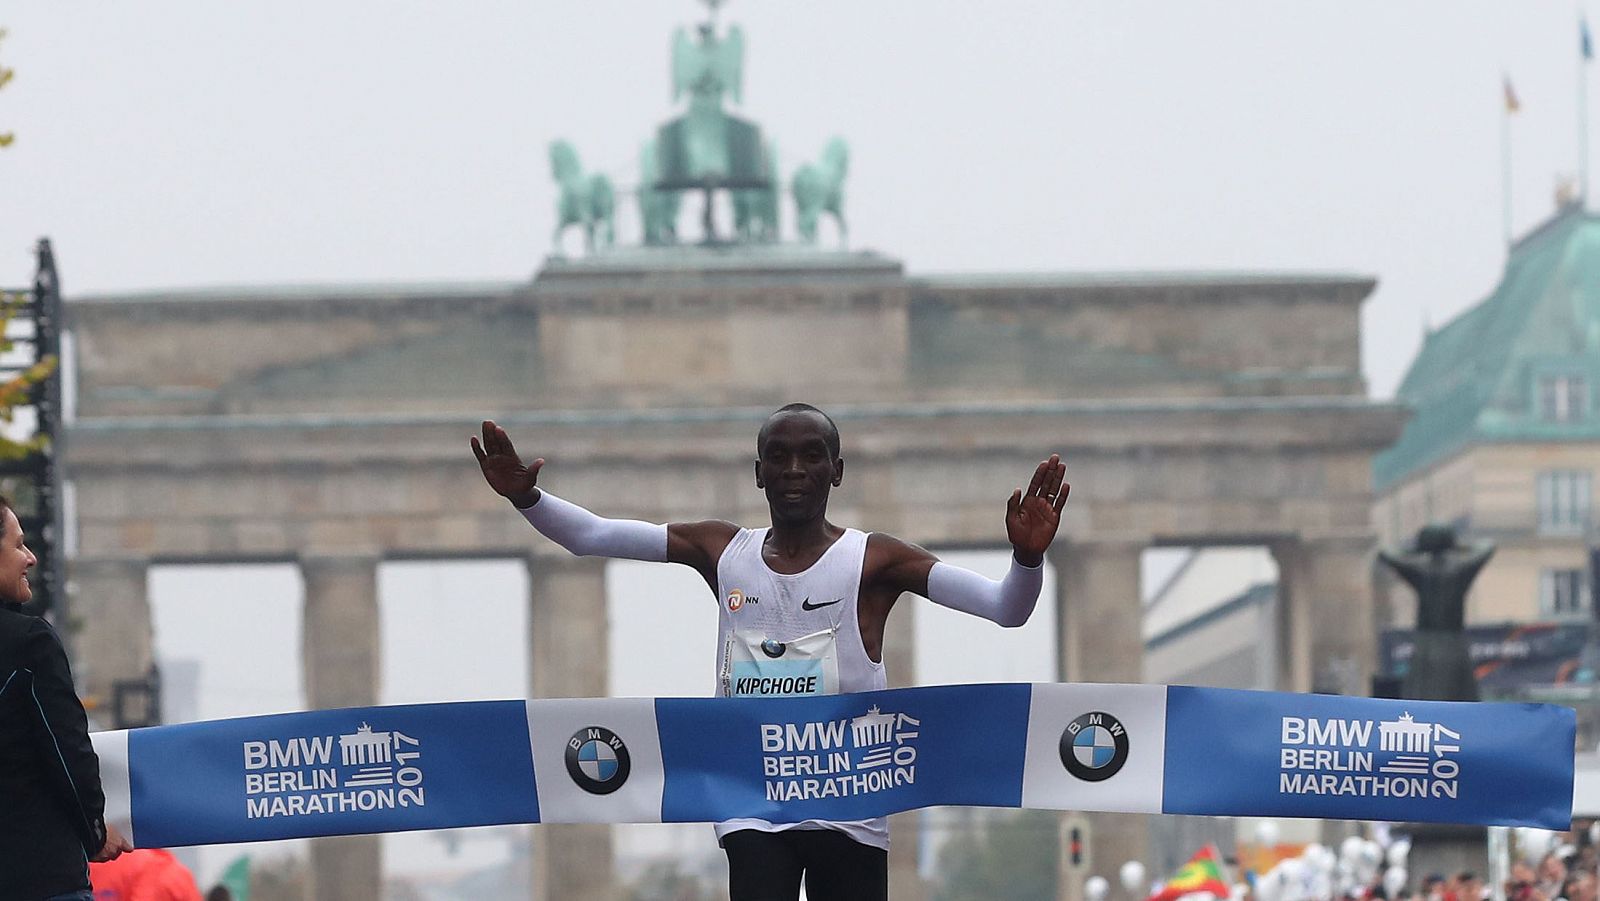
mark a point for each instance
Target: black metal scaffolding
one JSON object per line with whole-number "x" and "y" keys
{"x": 35, "y": 480}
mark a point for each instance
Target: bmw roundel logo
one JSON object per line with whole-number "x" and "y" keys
{"x": 773, "y": 648}
{"x": 597, "y": 760}
{"x": 1094, "y": 746}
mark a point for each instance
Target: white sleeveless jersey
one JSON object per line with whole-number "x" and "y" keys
{"x": 787, "y": 635}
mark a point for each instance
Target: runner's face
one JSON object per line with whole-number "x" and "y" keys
{"x": 796, "y": 469}
{"x": 15, "y": 560}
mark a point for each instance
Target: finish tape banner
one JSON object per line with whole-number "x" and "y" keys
{"x": 1090, "y": 747}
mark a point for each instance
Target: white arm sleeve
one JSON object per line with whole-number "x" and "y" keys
{"x": 587, "y": 535}
{"x": 1008, "y": 602}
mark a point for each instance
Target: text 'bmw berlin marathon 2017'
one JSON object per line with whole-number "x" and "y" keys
{"x": 1401, "y": 758}
{"x": 320, "y": 774}
{"x": 839, "y": 758}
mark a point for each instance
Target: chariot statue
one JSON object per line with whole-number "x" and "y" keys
{"x": 707, "y": 150}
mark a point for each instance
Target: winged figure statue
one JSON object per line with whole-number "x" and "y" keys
{"x": 707, "y": 67}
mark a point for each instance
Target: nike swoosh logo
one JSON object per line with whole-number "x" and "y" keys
{"x": 807, "y": 605}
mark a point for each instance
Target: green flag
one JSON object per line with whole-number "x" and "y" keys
{"x": 237, "y": 878}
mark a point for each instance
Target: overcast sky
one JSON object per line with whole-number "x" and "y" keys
{"x": 171, "y": 144}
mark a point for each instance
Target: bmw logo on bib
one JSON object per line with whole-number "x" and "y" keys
{"x": 773, "y": 648}
{"x": 1094, "y": 746}
{"x": 597, "y": 760}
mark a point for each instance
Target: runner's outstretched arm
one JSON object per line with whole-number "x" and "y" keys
{"x": 587, "y": 534}
{"x": 567, "y": 524}
{"x": 1032, "y": 518}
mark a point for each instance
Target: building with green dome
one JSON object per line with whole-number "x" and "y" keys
{"x": 1504, "y": 444}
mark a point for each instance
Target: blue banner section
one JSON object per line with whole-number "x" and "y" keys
{"x": 1362, "y": 758}
{"x": 842, "y": 757}
{"x": 332, "y": 772}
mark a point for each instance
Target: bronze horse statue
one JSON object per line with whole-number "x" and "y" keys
{"x": 819, "y": 188}
{"x": 755, "y": 210}
{"x": 658, "y": 208}
{"x": 587, "y": 202}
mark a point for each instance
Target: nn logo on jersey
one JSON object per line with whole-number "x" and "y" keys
{"x": 598, "y": 760}
{"x": 1094, "y": 746}
{"x": 737, "y": 599}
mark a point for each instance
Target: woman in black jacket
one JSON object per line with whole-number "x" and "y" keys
{"x": 52, "y": 810}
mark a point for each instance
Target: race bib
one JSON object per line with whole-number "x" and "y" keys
{"x": 757, "y": 666}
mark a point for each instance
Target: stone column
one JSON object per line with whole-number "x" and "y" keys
{"x": 567, "y": 622}
{"x": 1325, "y": 591}
{"x": 1292, "y": 616}
{"x": 905, "y": 834}
{"x": 340, "y": 659}
{"x": 1098, "y": 612}
{"x": 1327, "y": 627}
{"x": 111, "y": 605}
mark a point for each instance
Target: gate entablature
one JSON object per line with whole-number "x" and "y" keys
{"x": 697, "y": 330}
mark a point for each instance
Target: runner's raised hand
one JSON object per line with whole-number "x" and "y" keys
{"x": 1032, "y": 516}
{"x": 503, "y": 469}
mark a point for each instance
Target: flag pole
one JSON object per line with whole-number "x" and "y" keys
{"x": 1585, "y": 53}
{"x": 1505, "y": 171}
{"x": 1583, "y": 137}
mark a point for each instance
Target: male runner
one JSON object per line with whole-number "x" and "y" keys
{"x": 806, "y": 591}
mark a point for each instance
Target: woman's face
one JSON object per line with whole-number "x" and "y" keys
{"x": 15, "y": 561}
